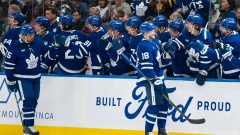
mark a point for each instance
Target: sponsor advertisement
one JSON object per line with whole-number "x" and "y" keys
{"x": 90, "y": 102}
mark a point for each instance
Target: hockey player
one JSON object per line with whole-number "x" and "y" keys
{"x": 70, "y": 59}
{"x": 201, "y": 7}
{"x": 228, "y": 52}
{"x": 200, "y": 66}
{"x": 98, "y": 55}
{"x": 132, "y": 26}
{"x": 14, "y": 21}
{"x": 118, "y": 66}
{"x": 163, "y": 35}
{"x": 22, "y": 67}
{"x": 148, "y": 59}
{"x": 41, "y": 25}
{"x": 179, "y": 61}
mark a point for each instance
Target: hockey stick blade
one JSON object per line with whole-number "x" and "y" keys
{"x": 192, "y": 121}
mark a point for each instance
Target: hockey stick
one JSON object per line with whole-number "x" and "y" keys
{"x": 18, "y": 109}
{"x": 192, "y": 121}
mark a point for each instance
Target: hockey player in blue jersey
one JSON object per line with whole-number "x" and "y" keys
{"x": 228, "y": 50}
{"x": 179, "y": 61}
{"x": 22, "y": 68}
{"x": 200, "y": 66}
{"x": 41, "y": 25}
{"x": 71, "y": 59}
{"x": 132, "y": 26}
{"x": 14, "y": 21}
{"x": 163, "y": 35}
{"x": 98, "y": 55}
{"x": 118, "y": 66}
{"x": 201, "y": 7}
{"x": 150, "y": 65}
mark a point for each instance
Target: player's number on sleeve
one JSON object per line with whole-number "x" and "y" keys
{"x": 145, "y": 56}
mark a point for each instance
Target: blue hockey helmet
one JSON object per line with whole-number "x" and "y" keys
{"x": 176, "y": 24}
{"x": 18, "y": 16}
{"x": 160, "y": 20}
{"x": 195, "y": 19}
{"x": 133, "y": 21}
{"x": 67, "y": 19}
{"x": 95, "y": 20}
{"x": 146, "y": 27}
{"x": 116, "y": 25}
{"x": 229, "y": 23}
{"x": 43, "y": 21}
{"x": 26, "y": 29}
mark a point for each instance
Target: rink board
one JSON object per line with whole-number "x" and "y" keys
{"x": 104, "y": 106}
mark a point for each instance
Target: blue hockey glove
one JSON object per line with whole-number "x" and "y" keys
{"x": 225, "y": 51}
{"x": 118, "y": 46}
{"x": 198, "y": 46}
{"x": 104, "y": 44}
{"x": 158, "y": 84}
{"x": 167, "y": 47}
{"x": 105, "y": 70}
{"x": 12, "y": 85}
{"x": 61, "y": 41}
{"x": 201, "y": 77}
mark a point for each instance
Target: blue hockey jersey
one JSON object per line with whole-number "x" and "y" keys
{"x": 11, "y": 36}
{"x": 133, "y": 44}
{"x": 195, "y": 60}
{"x": 54, "y": 28}
{"x": 118, "y": 66}
{"x": 98, "y": 55}
{"x": 22, "y": 60}
{"x": 149, "y": 60}
{"x": 140, "y": 8}
{"x": 72, "y": 58}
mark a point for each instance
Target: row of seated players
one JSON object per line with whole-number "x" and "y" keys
{"x": 185, "y": 52}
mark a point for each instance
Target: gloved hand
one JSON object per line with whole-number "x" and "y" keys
{"x": 104, "y": 44}
{"x": 105, "y": 70}
{"x": 158, "y": 84}
{"x": 61, "y": 41}
{"x": 169, "y": 49}
{"x": 12, "y": 85}
{"x": 118, "y": 46}
{"x": 198, "y": 46}
{"x": 225, "y": 51}
{"x": 201, "y": 77}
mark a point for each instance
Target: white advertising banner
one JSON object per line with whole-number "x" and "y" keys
{"x": 115, "y": 103}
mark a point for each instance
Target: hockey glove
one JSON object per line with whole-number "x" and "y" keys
{"x": 158, "y": 84}
{"x": 105, "y": 70}
{"x": 61, "y": 41}
{"x": 12, "y": 85}
{"x": 225, "y": 51}
{"x": 201, "y": 77}
{"x": 167, "y": 47}
{"x": 198, "y": 46}
{"x": 117, "y": 45}
{"x": 104, "y": 44}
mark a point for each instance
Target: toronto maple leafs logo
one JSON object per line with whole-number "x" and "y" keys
{"x": 140, "y": 9}
{"x": 32, "y": 61}
{"x": 194, "y": 56}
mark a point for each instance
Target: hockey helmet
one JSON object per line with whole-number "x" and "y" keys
{"x": 116, "y": 25}
{"x": 95, "y": 20}
{"x": 229, "y": 23}
{"x": 195, "y": 19}
{"x": 160, "y": 20}
{"x": 176, "y": 25}
{"x": 18, "y": 16}
{"x": 26, "y": 29}
{"x": 146, "y": 27}
{"x": 43, "y": 21}
{"x": 133, "y": 21}
{"x": 67, "y": 19}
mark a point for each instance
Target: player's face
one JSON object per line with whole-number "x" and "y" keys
{"x": 128, "y": 29}
{"x": 29, "y": 37}
{"x": 36, "y": 27}
{"x": 10, "y": 20}
{"x": 174, "y": 33}
{"x": 110, "y": 32}
{"x": 150, "y": 35}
